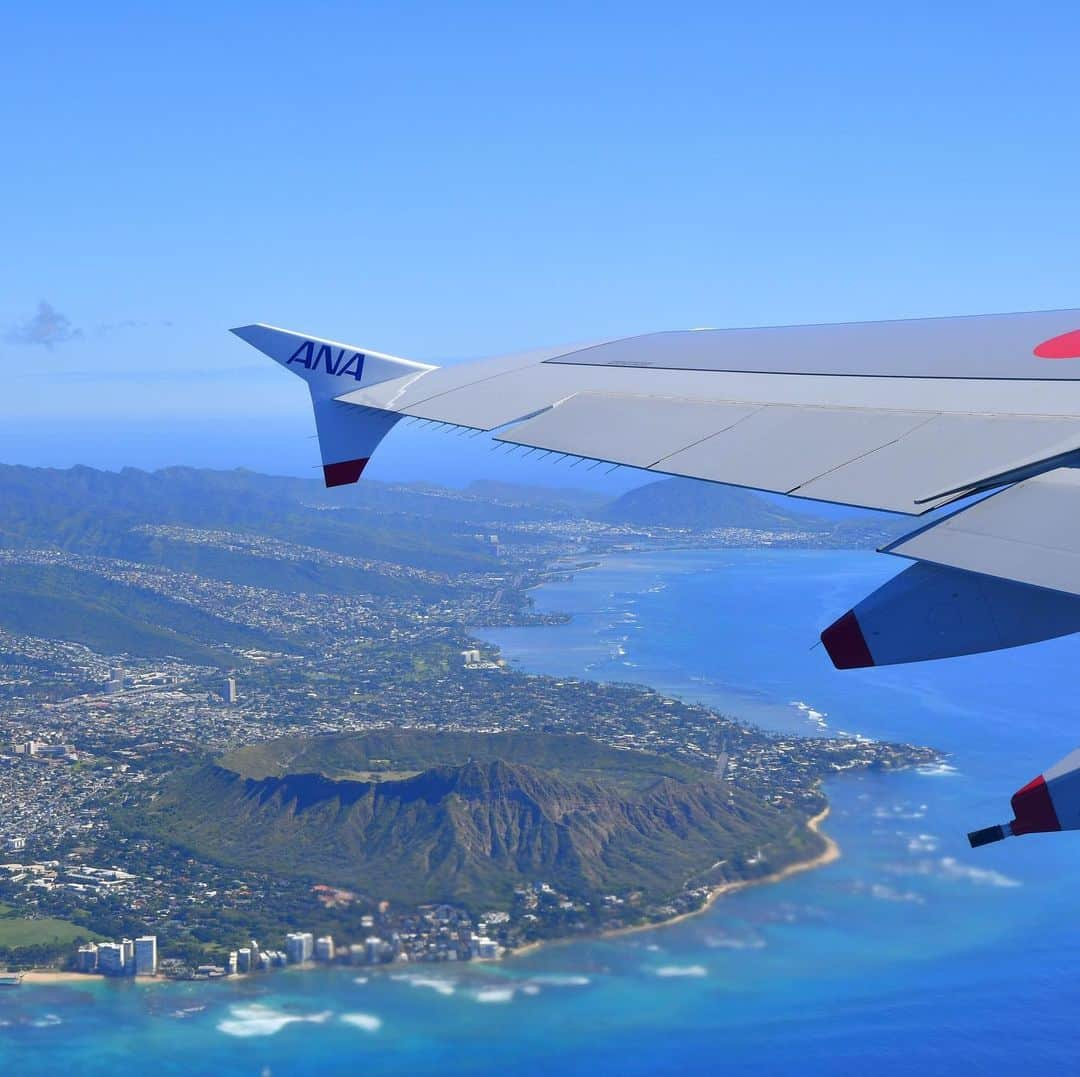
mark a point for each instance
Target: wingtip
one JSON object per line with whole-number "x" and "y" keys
{"x": 242, "y": 331}
{"x": 845, "y": 643}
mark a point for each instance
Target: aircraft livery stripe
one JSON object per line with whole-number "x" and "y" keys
{"x": 1034, "y": 809}
{"x": 344, "y": 472}
{"x": 846, "y": 644}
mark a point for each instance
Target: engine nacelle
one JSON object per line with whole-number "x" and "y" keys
{"x": 1047, "y": 803}
{"x": 931, "y": 611}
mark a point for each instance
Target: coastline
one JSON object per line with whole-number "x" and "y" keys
{"x": 828, "y": 855}
{"x": 57, "y": 976}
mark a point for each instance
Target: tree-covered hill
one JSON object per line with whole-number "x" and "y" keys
{"x": 56, "y": 602}
{"x": 88, "y": 511}
{"x": 468, "y": 817}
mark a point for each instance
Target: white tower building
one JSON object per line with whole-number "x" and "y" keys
{"x": 146, "y": 959}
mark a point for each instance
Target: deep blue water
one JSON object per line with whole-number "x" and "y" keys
{"x": 912, "y": 953}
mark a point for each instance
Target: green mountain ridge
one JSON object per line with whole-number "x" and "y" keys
{"x": 84, "y": 510}
{"x": 182, "y": 520}
{"x": 520, "y": 808}
{"x": 56, "y": 602}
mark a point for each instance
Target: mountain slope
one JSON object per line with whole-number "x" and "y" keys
{"x": 472, "y": 831}
{"x": 56, "y": 602}
{"x": 84, "y": 510}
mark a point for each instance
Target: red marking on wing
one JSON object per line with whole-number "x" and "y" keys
{"x": 343, "y": 473}
{"x": 1066, "y": 346}
{"x": 846, "y": 644}
{"x": 1034, "y": 810}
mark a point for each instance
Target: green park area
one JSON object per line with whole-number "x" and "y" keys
{"x": 17, "y": 932}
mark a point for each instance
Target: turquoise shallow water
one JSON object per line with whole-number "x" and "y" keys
{"x": 911, "y": 953}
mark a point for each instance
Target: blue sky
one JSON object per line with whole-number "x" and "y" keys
{"x": 444, "y": 181}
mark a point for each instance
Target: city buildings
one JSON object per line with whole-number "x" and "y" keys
{"x": 299, "y": 947}
{"x": 132, "y": 723}
{"x": 485, "y": 949}
{"x": 128, "y": 957}
{"x": 431, "y": 937}
{"x": 110, "y": 958}
{"x": 146, "y": 955}
{"x": 86, "y": 960}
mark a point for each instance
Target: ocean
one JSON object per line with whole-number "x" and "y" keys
{"x": 911, "y": 953}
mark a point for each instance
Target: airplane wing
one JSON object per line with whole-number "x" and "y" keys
{"x": 902, "y": 416}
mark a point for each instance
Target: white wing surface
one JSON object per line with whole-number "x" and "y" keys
{"x": 902, "y": 416}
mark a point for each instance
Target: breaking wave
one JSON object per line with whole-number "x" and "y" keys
{"x": 953, "y": 869}
{"x": 258, "y": 1020}
{"x": 367, "y": 1021}
{"x": 734, "y": 942}
{"x": 556, "y": 979}
{"x": 435, "y": 983}
{"x": 900, "y": 811}
{"x": 937, "y": 770}
{"x": 813, "y": 716}
{"x": 950, "y": 868}
{"x": 883, "y": 892}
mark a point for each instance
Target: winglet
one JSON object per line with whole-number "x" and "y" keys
{"x": 329, "y": 367}
{"x": 348, "y": 434}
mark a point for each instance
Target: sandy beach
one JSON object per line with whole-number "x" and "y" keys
{"x": 830, "y": 853}
{"x": 56, "y": 976}
{"x": 59, "y": 976}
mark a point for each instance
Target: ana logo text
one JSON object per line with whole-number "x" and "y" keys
{"x": 333, "y": 360}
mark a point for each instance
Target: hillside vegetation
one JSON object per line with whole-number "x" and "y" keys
{"x": 468, "y": 817}
{"x": 87, "y": 511}
{"x": 55, "y": 602}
